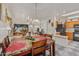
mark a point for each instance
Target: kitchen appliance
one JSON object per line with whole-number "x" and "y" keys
{"x": 76, "y": 32}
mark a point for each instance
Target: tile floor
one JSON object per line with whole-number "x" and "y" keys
{"x": 70, "y": 50}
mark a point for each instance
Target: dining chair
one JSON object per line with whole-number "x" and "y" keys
{"x": 5, "y": 44}
{"x": 47, "y": 35}
{"x": 38, "y": 47}
{"x": 6, "y": 41}
{"x": 51, "y": 48}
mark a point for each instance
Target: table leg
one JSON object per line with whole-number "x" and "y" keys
{"x": 53, "y": 47}
{"x": 50, "y": 50}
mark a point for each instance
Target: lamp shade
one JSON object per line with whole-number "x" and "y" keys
{"x": 36, "y": 21}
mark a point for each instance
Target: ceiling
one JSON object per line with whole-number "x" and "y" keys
{"x": 41, "y": 11}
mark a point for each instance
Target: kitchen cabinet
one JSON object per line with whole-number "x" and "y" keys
{"x": 70, "y": 29}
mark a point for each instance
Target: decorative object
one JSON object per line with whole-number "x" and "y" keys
{"x": 8, "y": 19}
{"x": 36, "y": 24}
{"x": 21, "y": 28}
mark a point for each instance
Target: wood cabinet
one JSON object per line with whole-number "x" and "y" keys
{"x": 70, "y": 35}
{"x": 70, "y": 25}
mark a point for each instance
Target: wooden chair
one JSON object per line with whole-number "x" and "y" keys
{"x": 6, "y": 41}
{"x": 38, "y": 47}
{"x": 5, "y": 44}
{"x": 47, "y": 35}
{"x": 51, "y": 48}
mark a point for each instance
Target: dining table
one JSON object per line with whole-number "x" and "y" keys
{"x": 22, "y": 46}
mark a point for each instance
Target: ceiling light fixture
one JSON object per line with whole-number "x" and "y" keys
{"x": 73, "y": 17}
{"x": 35, "y": 10}
{"x": 71, "y": 13}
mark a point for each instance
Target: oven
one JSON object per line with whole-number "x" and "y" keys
{"x": 76, "y": 32}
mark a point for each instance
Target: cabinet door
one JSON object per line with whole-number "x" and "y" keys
{"x": 70, "y": 35}
{"x": 69, "y": 25}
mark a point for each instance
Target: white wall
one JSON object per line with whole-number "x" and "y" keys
{"x": 3, "y": 25}
{"x": 20, "y": 11}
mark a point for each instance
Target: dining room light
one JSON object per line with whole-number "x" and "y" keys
{"x": 36, "y": 21}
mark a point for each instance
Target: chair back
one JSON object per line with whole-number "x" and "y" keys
{"x": 6, "y": 41}
{"x": 38, "y": 47}
{"x": 5, "y": 44}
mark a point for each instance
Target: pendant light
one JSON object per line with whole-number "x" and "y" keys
{"x": 35, "y": 20}
{"x": 35, "y": 10}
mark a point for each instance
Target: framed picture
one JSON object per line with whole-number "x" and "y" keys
{"x": 20, "y": 27}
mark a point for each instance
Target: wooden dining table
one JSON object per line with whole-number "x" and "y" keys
{"x": 22, "y": 46}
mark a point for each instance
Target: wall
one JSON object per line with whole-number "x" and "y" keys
{"x": 3, "y": 12}
{"x": 3, "y": 25}
{"x": 20, "y": 12}
{"x": 0, "y": 11}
